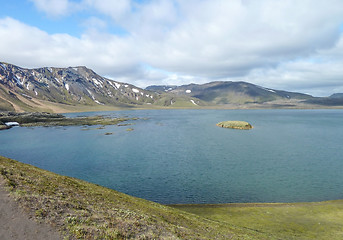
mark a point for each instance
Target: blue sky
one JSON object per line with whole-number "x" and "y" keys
{"x": 286, "y": 44}
{"x": 72, "y": 24}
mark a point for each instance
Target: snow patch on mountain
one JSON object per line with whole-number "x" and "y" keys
{"x": 192, "y": 101}
{"x": 267, "y": 89}
{"x": 116, "y": 85}
{"x": 98, "y": 102}
{"x": 97, "y": 83}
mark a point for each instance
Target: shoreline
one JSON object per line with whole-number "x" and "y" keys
{"x": 229, "y": 204}
{"x": 221, "y": 107}
{"x": 214, "y": 205}
{"x": 77, "y": 209}
{"x": 53, "y": 107}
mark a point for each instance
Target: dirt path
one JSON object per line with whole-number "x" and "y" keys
{"x": 16, "y": 224}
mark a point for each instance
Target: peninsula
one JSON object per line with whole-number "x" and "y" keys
{"x": 28, "y": 119}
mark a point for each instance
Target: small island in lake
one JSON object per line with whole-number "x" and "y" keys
{"x": 235, "y": 125}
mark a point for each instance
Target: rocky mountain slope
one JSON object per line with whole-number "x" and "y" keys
{"x": 73, "y": 85}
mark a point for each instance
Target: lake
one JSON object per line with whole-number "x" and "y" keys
{"x": 181, "y": 156}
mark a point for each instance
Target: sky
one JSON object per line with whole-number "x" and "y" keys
{"x": 280, "y": 44}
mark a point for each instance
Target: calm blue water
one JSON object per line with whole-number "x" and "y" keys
{"x": 180, "y": 156}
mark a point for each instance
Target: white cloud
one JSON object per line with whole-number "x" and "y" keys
{"x": 151, "y": 76}
{"x": 55, "y": 8}
{"x": 287, "y": 44}
{"x": 154, "y": 20}
{"x": 319, "y": 75}
{"x": 95, "y": 23}
{"x": 115, "y": 9}
{"x": 223, "y": 38}
{"x": 31, "y": 47}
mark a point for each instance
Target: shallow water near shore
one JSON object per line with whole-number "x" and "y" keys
{"x": 181, "y": 156}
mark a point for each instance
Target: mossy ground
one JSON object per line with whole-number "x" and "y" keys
{"x": 316, "y": 220}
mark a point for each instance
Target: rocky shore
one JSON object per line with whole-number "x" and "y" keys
{"x": 29, "y": 119}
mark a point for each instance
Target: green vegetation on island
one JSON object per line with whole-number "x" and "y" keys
{"x": 235, "y": 125}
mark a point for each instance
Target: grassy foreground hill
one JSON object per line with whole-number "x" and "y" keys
{"x": 87, "y": 211}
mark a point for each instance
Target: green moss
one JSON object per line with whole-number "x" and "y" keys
{"x": 235, "y": 125}
{"x": 317, "y": 220}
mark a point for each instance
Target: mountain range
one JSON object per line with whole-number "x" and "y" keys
{"x": 219, "y": 93}
{"x": 61, "y": 89}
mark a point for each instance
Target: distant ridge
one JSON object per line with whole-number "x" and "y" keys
{"x": 336, "y": 95}
{"x": 229, "y": 92}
